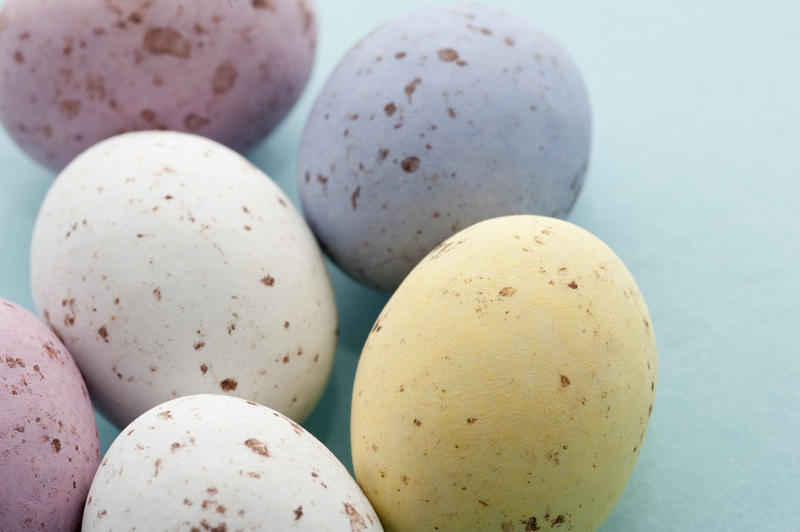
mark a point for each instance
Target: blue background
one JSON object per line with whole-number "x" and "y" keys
{"x": 693, "y": 182}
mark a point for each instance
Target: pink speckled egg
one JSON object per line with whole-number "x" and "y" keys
{"x": 73, "y": 72}
{"x": 49, "y": 448}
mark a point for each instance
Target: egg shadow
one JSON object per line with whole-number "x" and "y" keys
{"x": 358, "y": 307}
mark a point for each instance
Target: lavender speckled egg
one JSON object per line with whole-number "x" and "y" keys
{"x": 209, "y": 462}
{"x": 170, "y": 265}
{"x": 73, "y": 72}
{"x": 48, "y": 437}
{"x": 433, "y": 122}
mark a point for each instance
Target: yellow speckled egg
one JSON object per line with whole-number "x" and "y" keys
{"x": 507, "y": 384}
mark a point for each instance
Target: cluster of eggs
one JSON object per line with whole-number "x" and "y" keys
{"x": 508, "y": 382}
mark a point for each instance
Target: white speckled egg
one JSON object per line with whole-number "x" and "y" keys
{"x": 209, "y": 462}
{"x": 73, "y": 72}
{"x": 170, "y": 265}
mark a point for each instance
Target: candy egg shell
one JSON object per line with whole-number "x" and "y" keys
{"x": 73, "y": 72}
{"x": 507, "y": 384}
{"x": 48, "y": 437}
{"x": 435, "y": 121}
{"x": 170, "y": 265}
{"x": 222, "y": 463}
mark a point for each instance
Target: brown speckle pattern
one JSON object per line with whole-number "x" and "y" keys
{"x": 448, "y": 55}
{"x": 257, "y": 447}
{"x": 228, "y": 385}
{"x": 166, "y": 41}
{"x": 410, "y": 164}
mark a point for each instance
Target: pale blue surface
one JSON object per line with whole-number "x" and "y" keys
{"x": 693, "y": 182}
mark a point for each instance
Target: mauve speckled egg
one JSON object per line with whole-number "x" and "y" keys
{"x": 170, "y": 265}
{"x": 48, "y": 437}
{"x": 209, "y": 462}
{"x": 73, "y": 72}
{"x": 433, "y": 122}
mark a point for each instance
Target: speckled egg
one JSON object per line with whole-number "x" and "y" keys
{"x": 170, "y": 265}
{"x": 209, "y": 462}
{"x": 435, "y": 121}
{"x": 48, "y": 437}
{"x": 507, "y": 384}
{"x": 74, "y": 72}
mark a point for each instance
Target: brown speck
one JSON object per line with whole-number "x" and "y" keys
{"x": 557, "y": 521}
{"x": 18, "y": 57}
{"x": 166, "y": 414}
{"x": 530, "y": 525}
{"x": 564, "y": 381}
{"x": 573, "y": 285}
{"x": 472, "y": 420}
{"x": 228, "y": 385}
{"x": 199, "y": 345}
{"x": 157, "y": 294}
{"x": 193, "y": 121}
{"x": 417, "y": 422}
{"x": 224, "y": 78}
{"x": 285, "y": 324}
{"x": 268, "y": 280}
{"x": 410, "y": 164}
{"x": 157, "y": 464}
{"x": 451, "y": 113}
{"x": 508, "y": 291}
{"x": 399, "y": 55}
{"x": 411, "y": 87}
{"x": 168, "y": 197}
{"x": 263, "y": 4}
{"x": 652, "y": 386}
{"x": 166, "y": 41}
{"x": 383, "y": 153}
{"x": 56, "y": 445}
{"x": 509, "y": 41}
{"x": 356, "y": 521}
{"x": 70, "y": 108}
{"x": 103, "y": 332}
{"x": 203, "y": 368}
{"x": 174, "y": 447}
{"x": 390, "y": 108}
{"x": 485, "y": 31}
{"x": 148, "y": 115}
{"x": 135, "y": 18}
{"x": 257, "y": 447}
{"x": 448, "y": 55}
{"x": 286, "y": 359}
{"x": 298, "y": 513}
{"x": 19, "y": 429}
{"x": 322, "y": 179}
{"x": 354, "y": 197}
